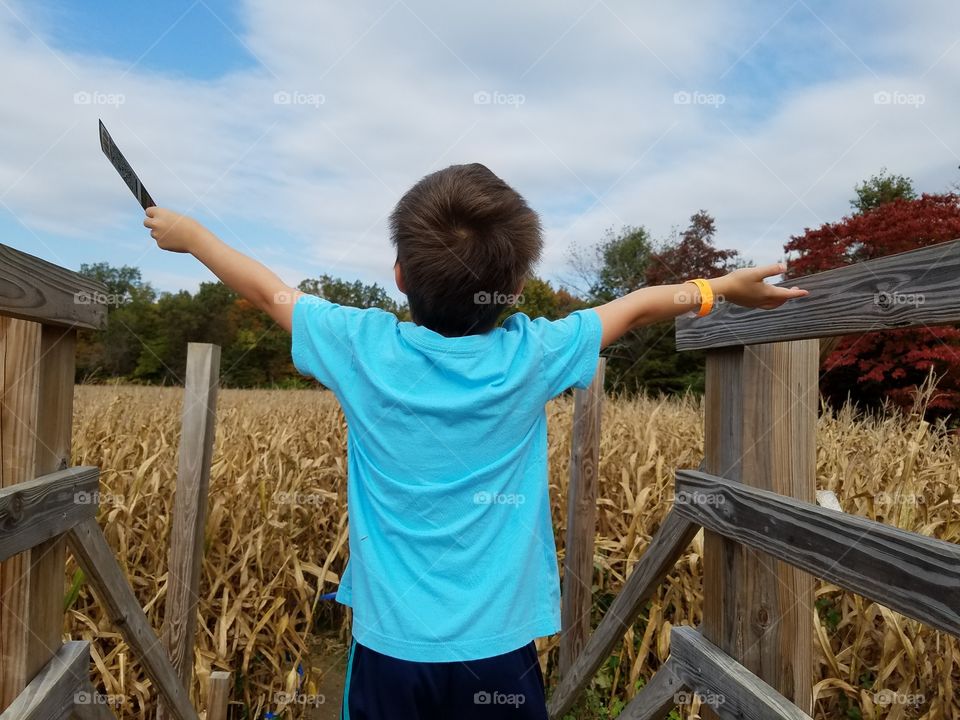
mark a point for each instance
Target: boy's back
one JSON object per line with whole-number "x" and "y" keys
{"x": 453, "y": 569}
{"x": 451, "y": 542}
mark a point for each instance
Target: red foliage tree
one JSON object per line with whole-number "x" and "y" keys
{"x": 892, "y": 363}
{"x": 692, "y": 255}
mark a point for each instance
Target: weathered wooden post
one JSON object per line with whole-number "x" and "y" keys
{"x": 577, "y": 595}
{"x": 190, "y": 508}
{"x": 41, "y": 306}
{"x": 218, "y": 695}
{"x": 760, "y": 429}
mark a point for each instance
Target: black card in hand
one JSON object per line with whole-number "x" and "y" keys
{"x": 118, "y": 161}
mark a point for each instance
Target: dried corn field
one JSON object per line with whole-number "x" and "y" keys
{"x": 276, "y": 540}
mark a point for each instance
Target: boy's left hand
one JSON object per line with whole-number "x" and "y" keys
{"x": 746, "y": 287}
{"x": 171, "y": 230}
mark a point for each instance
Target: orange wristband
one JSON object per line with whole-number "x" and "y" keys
{"x": 706, "y": 296}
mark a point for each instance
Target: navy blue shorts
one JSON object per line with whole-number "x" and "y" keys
{"x": 379, "y": 687}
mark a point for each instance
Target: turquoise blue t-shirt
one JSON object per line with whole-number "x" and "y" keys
{"x": 451, "y": 543}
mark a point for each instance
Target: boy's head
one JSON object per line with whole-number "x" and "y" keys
{"x": 466, "y": 242}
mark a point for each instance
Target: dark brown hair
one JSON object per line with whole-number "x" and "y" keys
{"x": 465, "y": 242}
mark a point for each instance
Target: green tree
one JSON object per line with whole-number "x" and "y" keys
{"x": 354, "y": 294}
{"x": 882, "y": 188}
{"x": 646, "y": 359}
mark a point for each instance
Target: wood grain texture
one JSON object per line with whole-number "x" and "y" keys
{"x": 218, "y": 695}
{"x": 33, "y": 289}
{"x": 53, "y": 437}
{"x": 19, "y": 405}
{"x": 731, "y": 691}
{"x": 913, "y": 574}
{"x": 658, "y": 697}
{"x": 35, "y": 511}
{"x": 52, "y": 692}
{"x": 190, "y": 507}
{"x": 667, "y": 545}
{"x": 908, "y": 289}
{"x": 94, "y": 555}
{"x": 760, "y": 416}
{"x": 577, "y": 596}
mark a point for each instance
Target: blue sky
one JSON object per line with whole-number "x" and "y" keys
{"x": 292, "y": 128}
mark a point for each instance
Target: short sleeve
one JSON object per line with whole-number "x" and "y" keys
{"x": 322, "y": 343}
{"x": 570, "y": 349}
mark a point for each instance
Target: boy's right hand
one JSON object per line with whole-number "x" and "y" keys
{"x": 173, "y": 231}
{"x": 746, "y": 287}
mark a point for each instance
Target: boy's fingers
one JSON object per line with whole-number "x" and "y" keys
{"x": 765, "y": 271}
{"x": 790, "y": 292}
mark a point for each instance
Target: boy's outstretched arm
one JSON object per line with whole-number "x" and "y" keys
{"x": 663, "y": 302}
{"x": 249, "y": 278}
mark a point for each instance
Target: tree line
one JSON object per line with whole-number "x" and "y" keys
{"x": 145, "y": 339}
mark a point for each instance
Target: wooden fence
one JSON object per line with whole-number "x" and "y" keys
{"x": 46, "y": 505}
{"x": 765, "y": 538}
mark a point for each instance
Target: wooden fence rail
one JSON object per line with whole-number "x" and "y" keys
{"x": 909, "y": 289}
{"x": 915, "y": 575}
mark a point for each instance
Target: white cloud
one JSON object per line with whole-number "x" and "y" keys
{"x": 382, "y": 93}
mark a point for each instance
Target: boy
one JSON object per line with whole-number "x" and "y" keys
{"x": 453, "y": 568}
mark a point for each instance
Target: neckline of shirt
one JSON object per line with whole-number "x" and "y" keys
{"x": 425, "y": 337}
